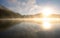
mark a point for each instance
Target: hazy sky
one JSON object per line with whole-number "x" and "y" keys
{"x": 30, "y": 6}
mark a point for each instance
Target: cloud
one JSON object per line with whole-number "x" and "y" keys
{"x": 12, "y": 1}
{"x": 24, "y": 6}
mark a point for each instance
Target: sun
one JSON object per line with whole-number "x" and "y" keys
{"x": 47, "y": 11}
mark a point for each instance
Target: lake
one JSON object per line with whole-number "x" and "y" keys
{"x": 25, "y": 29}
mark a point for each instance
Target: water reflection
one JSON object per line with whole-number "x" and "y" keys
{"x": 29, "y": 30}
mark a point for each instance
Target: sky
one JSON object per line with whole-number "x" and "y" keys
{"x": 30, "y": 6}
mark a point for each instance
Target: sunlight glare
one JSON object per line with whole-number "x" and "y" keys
{"x": 47, "y": 11}
{"x": 46, "y": 26}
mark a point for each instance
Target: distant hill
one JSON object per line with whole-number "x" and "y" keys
{"x": 39, "y": 15}
{"x": 6, "y": 13}
{"x": 55, "y": 16}
{"x": 2, "y": 7}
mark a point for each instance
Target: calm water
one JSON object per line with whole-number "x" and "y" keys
{"x": 29, "y": 30}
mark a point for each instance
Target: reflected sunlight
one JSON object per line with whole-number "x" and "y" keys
{"x": 46, "y": 26}
{"x": 46, "y": 23}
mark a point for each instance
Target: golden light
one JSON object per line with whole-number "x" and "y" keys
{"x": 47, "y": 11}
{"x": 46, "y": 26}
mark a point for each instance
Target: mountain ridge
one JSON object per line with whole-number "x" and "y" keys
{"x": 6, "y": 13}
